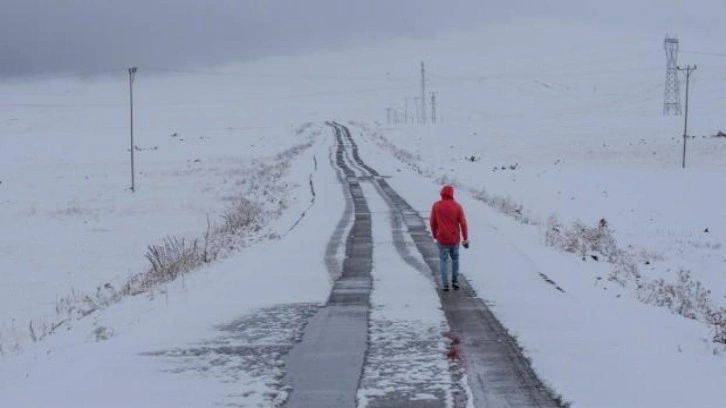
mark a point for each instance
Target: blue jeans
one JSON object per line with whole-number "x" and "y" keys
{"x": 446, "y": 252}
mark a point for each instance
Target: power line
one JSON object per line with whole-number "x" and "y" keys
{"x": 67, "y": 75}
{"x": 216, "y": 102}
{"x": 254, "y": 75}
{"x": 216, "y": 73}
{"x": 531, "y": 75}
{"x": 601, "y": 61}
{"x": 714, "y": 54}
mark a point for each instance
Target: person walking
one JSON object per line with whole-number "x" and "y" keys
{"x": 448, "y": 226}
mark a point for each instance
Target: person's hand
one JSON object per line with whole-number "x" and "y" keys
{"x": 465, "y": 243}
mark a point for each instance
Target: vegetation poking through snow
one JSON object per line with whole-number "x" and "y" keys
{"x": 101, "y": 333}
{"x": 718, "y": 319}
{"x": 173, "y": 257}
{"x": 263, "y": 198}
{"x": 685, "y": 296}
{"x": 239, "y": 217}
{"x": 504, "y": 205}
{"x": 584, "y": 240}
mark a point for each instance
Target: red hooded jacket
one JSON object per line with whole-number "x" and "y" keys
{"x": 448, "y": 222}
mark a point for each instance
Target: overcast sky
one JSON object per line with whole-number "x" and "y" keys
{"x": 88, "y": 36}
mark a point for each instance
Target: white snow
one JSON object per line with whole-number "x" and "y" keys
{"x": 408, "y": 352}
{"x": 572, "y": 113}
{"x": 593, "y": 346}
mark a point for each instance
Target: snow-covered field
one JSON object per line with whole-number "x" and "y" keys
{"x": 668, "y": 218}
{"x": 592, "y": 341}
{"x": 70, "y": 223}
{"x": 562, "y": 121}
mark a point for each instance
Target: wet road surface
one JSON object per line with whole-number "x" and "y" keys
{"x": 325, "y": 368}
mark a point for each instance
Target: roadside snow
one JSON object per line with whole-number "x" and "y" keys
{"x": 593, "y": 344}
{"x": 407, "y": 355}
{"x": 219, "y": 335}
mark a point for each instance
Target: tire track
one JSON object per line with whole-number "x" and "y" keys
{"x": 406, "y": 364}
{"x": 499, "y": 375}
{"x": 324, "y": 369}
{"x": 332, "y": 258}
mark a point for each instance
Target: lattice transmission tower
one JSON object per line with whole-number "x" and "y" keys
{"x": 672, "y": 97}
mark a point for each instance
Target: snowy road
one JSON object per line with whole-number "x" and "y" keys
{"x": 226, "y": 336}
{"x": 324, "y": 368}
{"x": 385, "y": 331}
{"x": 262, "y": 328}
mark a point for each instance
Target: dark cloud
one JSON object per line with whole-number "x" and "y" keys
{"x": 87, "y": 36}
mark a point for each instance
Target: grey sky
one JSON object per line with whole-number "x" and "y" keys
{"x": 87, "y": 36}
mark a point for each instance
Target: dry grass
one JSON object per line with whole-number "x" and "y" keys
{"x": 174, "y": 257}
{"x": 584, "y": 240}
{"x": 685, "y": 297}
{"x": 239, "y": 216}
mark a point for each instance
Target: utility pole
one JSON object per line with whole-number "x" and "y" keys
{"x": 433, "y": 107}
{"x": 423, "y": 94}
{"x": 132, "y": 74}
{"x": 388, "y": 115}
{"x": 405, "y": 109}
{"x": 689, "y": 69}
{"x": 416, "y": 100}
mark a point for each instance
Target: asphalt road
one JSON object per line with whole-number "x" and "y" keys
{"x": 325, "y": 368}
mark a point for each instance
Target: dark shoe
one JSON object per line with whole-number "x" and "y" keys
{"x": 445, "y": 288}
{"x": 455, "y": 285}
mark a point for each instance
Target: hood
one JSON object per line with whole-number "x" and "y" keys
{"x": 447, "y": 192}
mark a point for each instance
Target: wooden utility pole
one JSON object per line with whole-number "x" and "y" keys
{"x": 132, "y": 74}
{"x": 423, "y": 94}
{"x": 433, "y": 107}
{"x": 405, "y": 109}
{"x": 688, "y": 69}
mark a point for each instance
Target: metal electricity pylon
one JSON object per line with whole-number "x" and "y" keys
{"x": 672, "y": 96}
